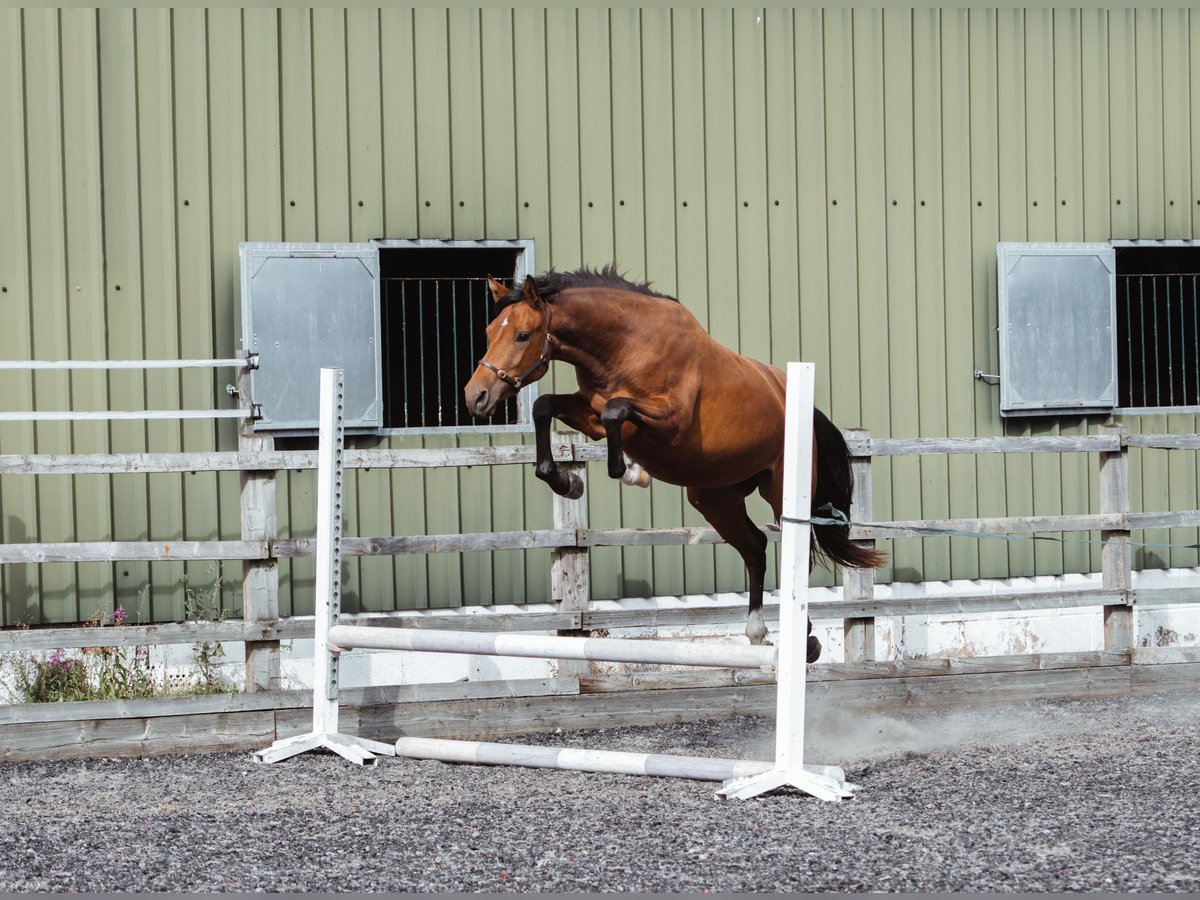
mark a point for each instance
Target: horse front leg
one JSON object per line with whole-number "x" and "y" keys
{"x": 575, "y": 412}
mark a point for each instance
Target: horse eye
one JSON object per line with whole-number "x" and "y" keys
{"x": 522, "y": 337}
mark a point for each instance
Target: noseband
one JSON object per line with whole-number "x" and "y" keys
{"x": 516, "y": 381}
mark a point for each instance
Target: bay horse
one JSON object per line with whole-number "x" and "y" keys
{"x": 671, "y": 401}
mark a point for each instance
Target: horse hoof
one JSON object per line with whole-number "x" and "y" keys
{"x": 636, "y": 476}
{"x": 814, "y": 649}
{"x": 574, "y": 487}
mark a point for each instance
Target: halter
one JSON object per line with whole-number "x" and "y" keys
{"x": 516, "y": 381}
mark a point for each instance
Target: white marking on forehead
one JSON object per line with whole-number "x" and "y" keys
{"x": 505, "y": 322}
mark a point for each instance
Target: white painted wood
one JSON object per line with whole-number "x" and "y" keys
{"x": 789, "y": 769}
{"x": 700, "y": 768}
{"x": 73, "y": 365}
{"x": 543, "y": 646}
{"x": 120, "y": 415}
{"x": 328, "y": 580}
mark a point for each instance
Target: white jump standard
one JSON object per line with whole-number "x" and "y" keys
{"x": 329, "y": 596}
{"x": 741, "y": 778}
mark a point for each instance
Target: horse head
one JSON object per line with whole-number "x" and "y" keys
{"x": 518, "y": 351}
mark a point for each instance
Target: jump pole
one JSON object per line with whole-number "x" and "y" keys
{"x": 742, "y": 779}
{"x": 328, "y": 595}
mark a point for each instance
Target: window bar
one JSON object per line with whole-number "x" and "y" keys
{"x": 454, "y": 343}
{"x": 404, "y": 347}
{"x": 1170, "y": 345}
{"x": 1196, "y": 338}
{"x": 1183, "y": 398}
{"x": 437, "y": 330}
{"x": 421, "y": 331}
{"x": 471, "y": 328}
{"x": 1141, "y": 323}
{"x": 1129, "y": 341}
{"x": 1154, "y": 337}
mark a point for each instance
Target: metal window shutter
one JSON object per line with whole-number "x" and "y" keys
{"x": 305, "y": 306}
{"x": 1057, "y": 322}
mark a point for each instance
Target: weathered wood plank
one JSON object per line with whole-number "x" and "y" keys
{"x": 630, "y": 537}
{"x": 858, "y": 633}
{"x": 260, "y": 577}
{"x": 570, "y": 568}
{"x": 33, "y": 640}
{"x": 1165, "y": 441}
{"x": 990, "y": 526}
{"x": 280, "y": 460}
{"x": 1116, "y": 556}
{"x": 1180, "y": 519}
{"x": 660, "y": 681}
{"x": 1158, "y": 656}
{"x": 169, "y": 707}
{"x": 110, "y": 551}
{"x": 1090, "y": 443}
{"x": 89, "y": 738}
{"x": 431, "y": 543}
{"x": 966, "y": 605}
{"x": 292, "y": 628}
{"x": 928, "y": 668}
{"x": 1165, "y": 596}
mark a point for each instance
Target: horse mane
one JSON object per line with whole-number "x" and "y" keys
{"x": 551, "y": 283}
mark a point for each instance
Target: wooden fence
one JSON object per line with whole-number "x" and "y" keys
{"x": 570, "y": 538}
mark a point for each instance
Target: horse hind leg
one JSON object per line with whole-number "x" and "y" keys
{"x": 770, "y": 487}
{"x": 725, "y": 510}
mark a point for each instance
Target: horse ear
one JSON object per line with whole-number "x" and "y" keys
{"x": 499, "y": 291}
{"x": 530, "y": 292}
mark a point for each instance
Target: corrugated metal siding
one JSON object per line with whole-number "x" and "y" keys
{"x": 811, "y": 183}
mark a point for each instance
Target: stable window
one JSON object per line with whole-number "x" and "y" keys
{"x": 1098, "y": 328}
{"x": 405, "y": 319}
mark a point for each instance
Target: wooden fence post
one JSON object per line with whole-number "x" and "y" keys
{"x": 858, "y": 585}
{"x": 260, "y": 578}
{"x": 570, "y": 575}
{"x": 1117, "y": 554}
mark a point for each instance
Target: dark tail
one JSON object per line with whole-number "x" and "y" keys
{"x": 835, "y": 483}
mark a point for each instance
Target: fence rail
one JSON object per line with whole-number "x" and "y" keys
{"x": 570, "y": 539}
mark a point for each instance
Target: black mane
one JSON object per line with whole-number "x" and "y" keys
{"x": 552, "y": 282}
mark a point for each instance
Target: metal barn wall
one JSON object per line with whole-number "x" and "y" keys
{"x": 814, "y": 184}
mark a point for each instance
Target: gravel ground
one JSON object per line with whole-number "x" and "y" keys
{"x": 1047, "y": 796}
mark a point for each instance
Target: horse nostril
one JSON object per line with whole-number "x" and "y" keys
{"x": 481, "y": 399}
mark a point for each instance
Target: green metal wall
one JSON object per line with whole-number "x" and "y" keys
{"x": 816, "y": 184}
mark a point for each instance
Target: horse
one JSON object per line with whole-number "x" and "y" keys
{"x": 672, "y": 403}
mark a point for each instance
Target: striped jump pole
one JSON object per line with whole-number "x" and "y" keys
{"x": 740, "y": 778}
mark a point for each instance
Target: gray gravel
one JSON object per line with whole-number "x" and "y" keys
{"x": 1048, "y": 796}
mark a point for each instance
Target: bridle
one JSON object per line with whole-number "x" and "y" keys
{"x": 516, "y": 381}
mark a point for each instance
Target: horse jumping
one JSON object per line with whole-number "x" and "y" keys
{"x": 669, "y": 399}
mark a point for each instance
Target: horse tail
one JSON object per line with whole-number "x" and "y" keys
{"x": 835, "y": 484}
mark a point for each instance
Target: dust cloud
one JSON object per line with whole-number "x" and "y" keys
{"x": 841, "y": 736}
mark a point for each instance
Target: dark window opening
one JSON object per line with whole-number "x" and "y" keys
{"x": 434, "y": 307}
{"x": 1158, "y": 326}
